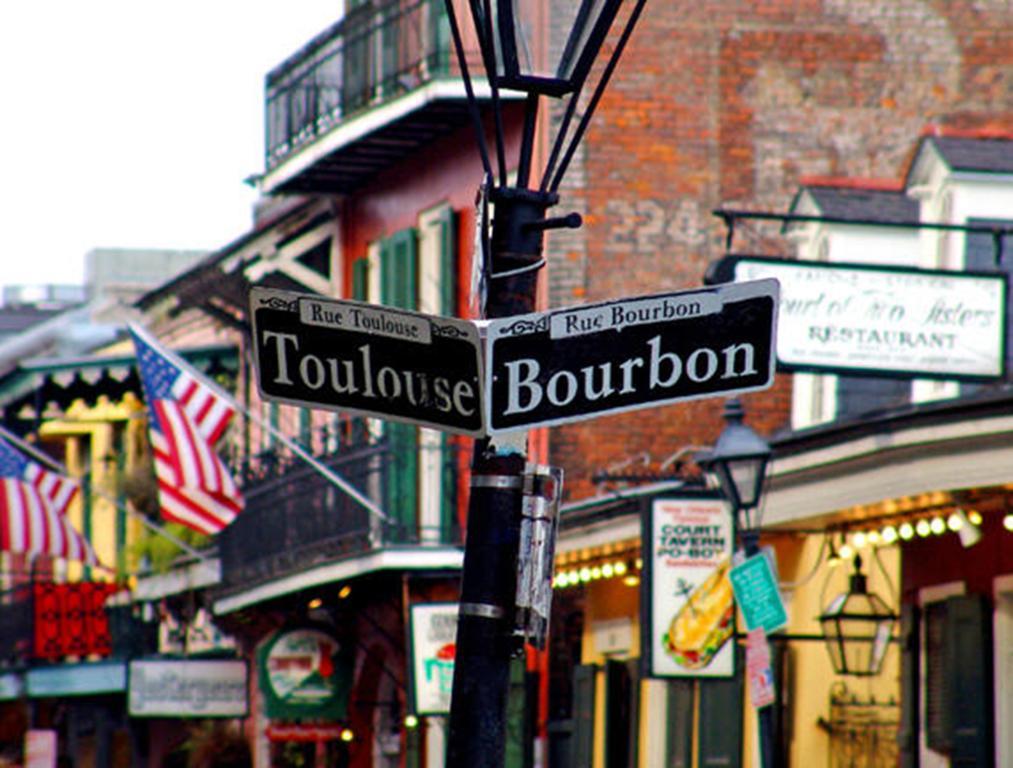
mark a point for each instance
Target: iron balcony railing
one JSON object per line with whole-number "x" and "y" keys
{"x": 295, "y": 518}
{"x": 378, "y": 51}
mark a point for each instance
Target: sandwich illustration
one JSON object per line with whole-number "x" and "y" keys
{"x": 704, "y": 622}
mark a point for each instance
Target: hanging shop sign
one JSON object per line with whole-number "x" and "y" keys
{"x": 305, "y": 673}
{"x": 187, "y": 688}
{"x": 85, "y": 679}
{"x": 857, "y": 318}
{"x": 369, "y": 359}
{"x": 198, "y": 635}
{"x": 40, "y": 748}
{"x": 757, "y": 594}
{"x": 575, "y": 363}
{"x": 689, "y": 605}
{"x": 433, "y": 633}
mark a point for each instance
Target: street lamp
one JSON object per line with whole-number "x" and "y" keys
{"x": 515, "y": 38}
{"x": 739, "y": 459}
{"x": 857, "y": 626}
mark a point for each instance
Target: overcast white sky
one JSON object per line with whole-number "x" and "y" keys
{"x": 133, "y": 123}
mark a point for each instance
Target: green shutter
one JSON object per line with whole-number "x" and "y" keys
{"x": 398, "y": 282}
{"x": 360, "y": 279}
{"x": 446, "y": 225}
{"x": 968, "y": 644}
{"x": 439, "y": 38}
{"x": 680, "y": 724}
{"x": 582, "y": 748}
{"x": 907, "y": 735}
{"x": 721, "y": 720}
{"x": 522, "y": 703}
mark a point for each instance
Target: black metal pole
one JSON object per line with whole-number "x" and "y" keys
{"x": 485, "y": 631}
{"x": 765, "y": 715}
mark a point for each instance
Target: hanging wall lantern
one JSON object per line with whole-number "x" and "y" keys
{"x": 857, "y": 627}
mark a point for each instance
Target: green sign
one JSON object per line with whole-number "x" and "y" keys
{"x": 757, "y": 594}
{"x": 305, "y": 673}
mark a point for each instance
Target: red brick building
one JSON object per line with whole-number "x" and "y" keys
{"x": 730, "y": 104}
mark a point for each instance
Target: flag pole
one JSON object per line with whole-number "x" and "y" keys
{"x": 291, "y": 444}
{"x": 53, "y": 464}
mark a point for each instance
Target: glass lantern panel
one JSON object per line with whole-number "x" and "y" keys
{"x": 858, "y": 635}
{"x": 541, "y": 51}
{"x": 745, "y": 474}
{"x": 586, "y": 14}
{"x": 832, "y": 637}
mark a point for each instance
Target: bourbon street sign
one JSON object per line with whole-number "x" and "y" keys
{"x": 571, "y": 364}
{"x": 378, "y": 361}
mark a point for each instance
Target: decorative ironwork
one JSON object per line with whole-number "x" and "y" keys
{"x": 448, "y": 331}
{"x": 276, "y": 302}
{"x": 372, "y": 55}
{"x": 295, "y": 518}
{"x": 526, "y": 326}
{"x": 863, "y": 732}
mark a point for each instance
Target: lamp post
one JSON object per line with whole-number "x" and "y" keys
{"x": 514, "y": 53}
{"x": 739, "y": 460}
{"x": 857, "y": 626}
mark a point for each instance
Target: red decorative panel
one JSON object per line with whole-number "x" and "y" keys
{"x": 70, "y": 620}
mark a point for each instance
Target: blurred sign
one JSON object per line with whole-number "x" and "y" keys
{"x": 40, "y": 749}
{"x": 433, "y": 634}
{"x": 187, "y": 688}
{"x": 757, "y": 594}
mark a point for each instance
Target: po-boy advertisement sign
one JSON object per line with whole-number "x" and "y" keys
{"x": 690, "y": 604}
{"x": 857, "y": 318}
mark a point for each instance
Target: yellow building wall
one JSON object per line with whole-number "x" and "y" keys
{"x": 611, "y": 630}
{"x": 809, "y": 583}
{"x": 812, "y": 585}
{"x": 93, "y": 443}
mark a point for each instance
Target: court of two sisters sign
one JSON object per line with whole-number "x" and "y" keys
{"x": 486, "y": 378}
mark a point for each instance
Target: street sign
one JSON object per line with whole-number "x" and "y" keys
{"x": 575, "y": 363}
{"x": 378, "y": 361}
{"x": 757, "y": 594}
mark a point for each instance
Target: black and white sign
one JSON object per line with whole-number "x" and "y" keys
{"x": 378, "y": 361}
{"x": 187, "y": 688}
{"x": 855, "y": 318}
{"x": 571, "y": 364}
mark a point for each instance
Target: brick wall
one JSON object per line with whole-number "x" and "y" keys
{"x": 730, "y": 102}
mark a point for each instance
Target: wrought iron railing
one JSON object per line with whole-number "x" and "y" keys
{"x": 863, "y": 731}
{"x": 379, "y": 50}
{"x": 296, "y": 518}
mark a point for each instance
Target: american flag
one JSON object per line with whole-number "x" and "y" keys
{"x": 33, "y": 506}
{"x": 186, "y": 420}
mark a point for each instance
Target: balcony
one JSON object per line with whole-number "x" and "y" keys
{"x": 363, "y": 95}
{"x": 297, "y": 522}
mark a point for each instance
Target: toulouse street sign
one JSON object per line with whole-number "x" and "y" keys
{"x": 378, "y": 361}
{"x": 570, "y": 364}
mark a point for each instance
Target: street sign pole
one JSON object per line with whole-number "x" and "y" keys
{"x": 485, "y": 629}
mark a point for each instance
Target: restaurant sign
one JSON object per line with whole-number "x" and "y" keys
{"x": 690, "y": 607}
{"x": 187, "y": 688}
{"x": 857, "y": 318}
{"x": 433, "y": 636}
{"x": 305, "y": 673}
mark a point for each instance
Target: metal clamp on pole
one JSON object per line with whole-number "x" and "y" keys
{"x": 543, "y": 490}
